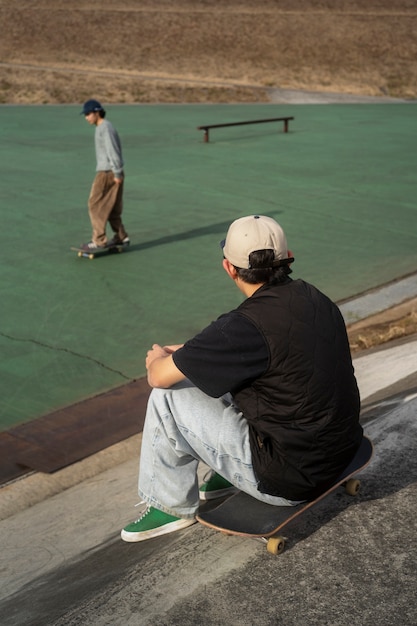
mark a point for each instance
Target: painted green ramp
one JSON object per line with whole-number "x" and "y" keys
{"x": 341, "y": 182}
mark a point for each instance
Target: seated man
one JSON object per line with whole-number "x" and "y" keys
{"x": 266, "y": 395}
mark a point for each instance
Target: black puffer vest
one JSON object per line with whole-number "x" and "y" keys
{"x": 303, "y": 413}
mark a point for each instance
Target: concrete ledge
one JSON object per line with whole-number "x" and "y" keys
{"x": 37, "y": 486}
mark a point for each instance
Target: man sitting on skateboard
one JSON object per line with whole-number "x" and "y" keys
{"x": 265, "y": 395}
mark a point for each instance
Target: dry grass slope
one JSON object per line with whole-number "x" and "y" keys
{"x": 204, "y": 50}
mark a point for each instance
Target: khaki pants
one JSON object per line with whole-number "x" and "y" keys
{"x": 105, "y": 204}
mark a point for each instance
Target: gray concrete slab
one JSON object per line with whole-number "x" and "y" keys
{"x": 380, "y": 299}
{"x": 297, "y": 96}
{"x": 348, "y": 561}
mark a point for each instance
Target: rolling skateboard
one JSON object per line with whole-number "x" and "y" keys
{"x": 91, "y": 254}
{"x": 245, "y": 516}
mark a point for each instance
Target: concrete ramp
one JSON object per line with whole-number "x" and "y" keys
{"x": 348, "y": 561}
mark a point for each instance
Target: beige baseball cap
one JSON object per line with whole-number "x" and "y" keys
{"x": 251, "y": 233}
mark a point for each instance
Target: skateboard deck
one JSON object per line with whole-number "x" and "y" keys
{"x": 245, "y": 516}
{"x": 91, "y": 254}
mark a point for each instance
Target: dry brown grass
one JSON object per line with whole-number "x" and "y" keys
{"x": 149, "y": 49}
{"x": 369, "y": 334}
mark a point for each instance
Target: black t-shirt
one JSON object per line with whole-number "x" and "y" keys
{"x": 227, "y": 355}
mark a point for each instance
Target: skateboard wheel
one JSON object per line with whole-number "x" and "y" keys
{"x": 352, "y": 486}
{"x": 275, "y": 545}
{"x": 80, "y": 254}
{"x": 91, "y": 256}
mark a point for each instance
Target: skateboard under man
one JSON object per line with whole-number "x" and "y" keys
{"x": 110, "y": 249}
{"x": 245, "y": 516}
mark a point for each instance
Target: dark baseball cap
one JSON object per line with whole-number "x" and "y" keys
{"x": 91, "y": 106}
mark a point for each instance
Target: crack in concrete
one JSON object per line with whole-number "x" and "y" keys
{"x": 68, "y": 351}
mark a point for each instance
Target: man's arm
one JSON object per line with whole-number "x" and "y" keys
{"x": 114, "y": 152}
{"x": 162, "y": 371}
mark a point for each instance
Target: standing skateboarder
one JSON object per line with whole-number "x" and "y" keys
{"x": 105, "y": 203}
{"x": 265, "y": 395}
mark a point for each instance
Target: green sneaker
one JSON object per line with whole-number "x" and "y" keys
{"x": 215, "y": 486}
{"x": 153, "y": 523}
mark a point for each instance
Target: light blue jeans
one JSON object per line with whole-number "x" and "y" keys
{"x": 184, "y": 426}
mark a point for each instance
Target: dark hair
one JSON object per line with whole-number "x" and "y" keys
{"x": 263, "y": 270}
{"x": 102, "y": 113}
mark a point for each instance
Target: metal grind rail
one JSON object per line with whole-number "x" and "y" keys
{"x": 208, "y": 127}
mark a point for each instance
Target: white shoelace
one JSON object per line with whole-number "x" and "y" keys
{"x": 208, "y": 475}
{"x": 145, "y": 512}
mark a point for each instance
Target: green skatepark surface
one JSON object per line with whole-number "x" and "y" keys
{"x": 341, "y": 182}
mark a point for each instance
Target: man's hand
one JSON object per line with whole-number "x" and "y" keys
{"x": 173, "y": 348}
{"x": 156, "y": 352}
{"x": 162, "y": 371}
